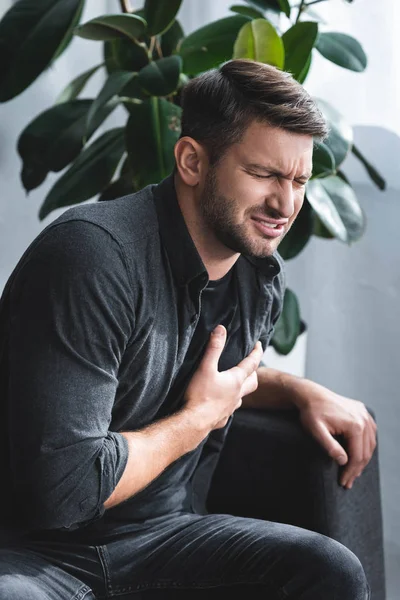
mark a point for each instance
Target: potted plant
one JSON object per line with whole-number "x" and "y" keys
{"x": 147, "y": 61}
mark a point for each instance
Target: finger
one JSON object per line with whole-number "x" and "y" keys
{"x": 250, "y": 384}
{"x": 355, "y": 451}
{"x": 369, "y": 444}
{"x": 248, "y": 365}
{"x": 331, "y": 445}
{"x": 214, "y": 348}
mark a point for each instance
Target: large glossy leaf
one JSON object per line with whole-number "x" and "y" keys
{"x": 70, "y": 32}
{"x": 266, "y": 5}
{"x": 337, "y": 206}
{"x": 299, "y": 234}
{"x": 210, "y": 45}
{"x": 259, "y": 40}
{"x": 288, "y": 327}
{"x": 299, "y": 41}
{"x": 118, "y": 188}
{"x": 51, "y": 141}
{"x": 31, "y": 36}
{"x": 304, "y": 73}
{"x": 320, "y": 230}
{"x": 160, "y": 14}
{"x": 55, "y": 138}
{"x": 124, "y": 55}
{"x": 247, "y": 11}
{"x": 171, "y": 38}
{"x": 89, "y": 174}
{"x": 285, "y": 7}
{"x": 323, "y": 161}
{"x": 340, "y": 138}
{"x": 111, "y": 27}
{"x": 161, "y": 77}
{"x": 76, "y": 86}
{"x": 152, "y": 131}
{"x": 371, "y": 170}
{"x": 343, "y": 50}
{"x": 108, "y": 95}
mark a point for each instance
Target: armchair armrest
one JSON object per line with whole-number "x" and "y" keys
{"x": 272, "y": 469}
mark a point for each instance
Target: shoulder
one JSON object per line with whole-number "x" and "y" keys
{"x": 126, "y": 219}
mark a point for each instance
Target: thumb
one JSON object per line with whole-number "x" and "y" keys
{"x": 214, "y": 348}
{"x": 332, "y": 446}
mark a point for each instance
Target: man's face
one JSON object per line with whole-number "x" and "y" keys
{"x": 252, "y": 196}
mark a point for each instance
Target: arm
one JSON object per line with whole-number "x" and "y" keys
{"x": 71, "y": 317}
{"x": 210, "y": 398}
{"x": 324, "y": 414}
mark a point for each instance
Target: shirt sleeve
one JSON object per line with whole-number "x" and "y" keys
{"x": 71, "y": 319}
{"x": 278, "y": 291}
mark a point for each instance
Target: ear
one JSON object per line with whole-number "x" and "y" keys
{"x": 191, "y": 160}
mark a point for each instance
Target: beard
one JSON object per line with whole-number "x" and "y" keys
{"x": 220, "y": 214}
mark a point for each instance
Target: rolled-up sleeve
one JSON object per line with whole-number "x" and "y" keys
{"x": 72, "y": 315}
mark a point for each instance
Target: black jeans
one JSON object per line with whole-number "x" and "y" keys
{"x": 188, "y": 556}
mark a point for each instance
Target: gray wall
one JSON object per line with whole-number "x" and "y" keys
{"x": 349, "y": 295}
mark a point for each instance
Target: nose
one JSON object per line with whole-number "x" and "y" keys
{"x": 281, "y": 202}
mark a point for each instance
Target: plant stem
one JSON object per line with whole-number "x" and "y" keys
{"x": 314, "y": 2}
{"x": 301, "y": 8}
{"x": 125, "y": 6}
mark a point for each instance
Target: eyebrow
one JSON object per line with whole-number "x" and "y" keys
{"x": 255, "y": 166}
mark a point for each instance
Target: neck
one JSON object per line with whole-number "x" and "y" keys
{"x": 217, "y": 258}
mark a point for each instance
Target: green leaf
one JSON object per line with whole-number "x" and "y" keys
{"x": 287, "y": 329}
{"x": 337, "y": 206}
{"x": 89, "y": 174}
{"x": 111, "y": 27}
{"x": 160, "y": 14}
{"x": 116, "y": 189}
{"x": 171, "y": 38}
{"x": 54, "y": 139}
{"x": 343, "y": 50}
{"x": 299, "y": 41}
{"x": 247, "y": 11}
{"x": 372, "y": 172}
{"x": 299, "y": 234}
{"x": 210, "y": 45}
{"x": 259, "y": 40}
{"x": 70, "y": 33}
{"x": 152, "y": 131}
{"x": 30, "y": 37}
{"x": 323, "y": 161}
{"x": 161, "y": 77}
{"x": 124, "y": 55}
{"x": 340, "y": 138}
{"x": 77, "y": 85}
{"x": 266, "y": 5}
{"x": 108, "y": 94}
{"x": 285, "y": 7}
{"x": 304, "y": 73}
{"x": 320, "y": 230}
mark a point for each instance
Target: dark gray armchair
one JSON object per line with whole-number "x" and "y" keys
{"x": 270, "y": 468}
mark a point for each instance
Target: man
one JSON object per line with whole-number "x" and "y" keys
{"x": 131, "y": 332}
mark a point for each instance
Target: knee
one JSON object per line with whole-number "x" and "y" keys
{"x": 340, "y": 572}
{"x": 13, "y": 587}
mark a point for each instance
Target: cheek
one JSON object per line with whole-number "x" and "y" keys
{"x": 298, "y": 202}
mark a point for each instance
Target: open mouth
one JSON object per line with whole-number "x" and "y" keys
{"x": 268, "y": 229}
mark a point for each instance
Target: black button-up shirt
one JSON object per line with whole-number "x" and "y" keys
{"x": 95, "y": 323}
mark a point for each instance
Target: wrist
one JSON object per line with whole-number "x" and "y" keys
{"x": 298, "y": 390}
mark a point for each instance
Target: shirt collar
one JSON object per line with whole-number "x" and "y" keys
{"x": 185, "y": 261}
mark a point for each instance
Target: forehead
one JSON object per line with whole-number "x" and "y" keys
{"x": 263, "y": 144}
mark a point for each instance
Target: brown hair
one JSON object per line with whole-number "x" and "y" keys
{"x": 219, "y": 104}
